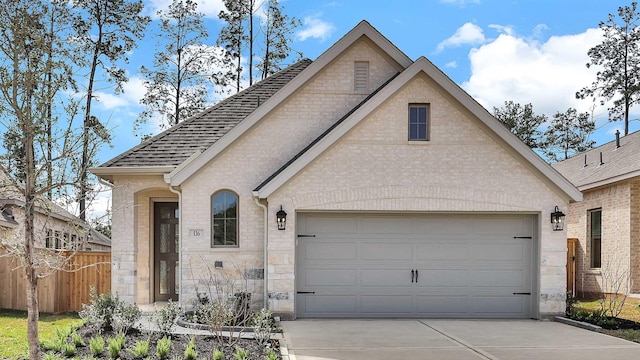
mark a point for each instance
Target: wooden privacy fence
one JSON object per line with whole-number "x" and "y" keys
{"x": 61, "y": 291}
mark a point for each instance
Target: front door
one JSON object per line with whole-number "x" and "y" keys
{"x": 166, "y": 240}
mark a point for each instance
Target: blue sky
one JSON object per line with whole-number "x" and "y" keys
{"x": 528, "y": 51}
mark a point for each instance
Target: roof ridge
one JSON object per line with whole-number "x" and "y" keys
{"x": 324, "y": 133}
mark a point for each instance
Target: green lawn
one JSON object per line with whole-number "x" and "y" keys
{"x": 13, "y": 331}
{"x": 630, "y": 311}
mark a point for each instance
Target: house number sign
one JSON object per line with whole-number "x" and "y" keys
{"x": 195, "y": 232}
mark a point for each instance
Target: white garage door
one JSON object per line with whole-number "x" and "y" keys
{"x": 454, "y": 266}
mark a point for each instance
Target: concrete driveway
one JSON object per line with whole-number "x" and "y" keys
{"x": 449, "y": 339}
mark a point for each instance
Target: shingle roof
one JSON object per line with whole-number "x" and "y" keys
{"x": 616, "y": 163}
{"x": 176, "y": 144}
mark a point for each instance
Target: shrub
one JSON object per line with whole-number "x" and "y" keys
{"x": 140, "y": 349}
{"x": 166, "y": 317}
{"x": 190, "y": 352}
{"x": 99, "y": 312}
{"x": 96, "y": 344}
{"x": 241, "y": 354}
{"x": 263, "y": 325}
{"x": 241, "y": 307}
{"x": 163, "y": 347}
{"x": 218, "y": 355}
{"x": 125, "y": 316}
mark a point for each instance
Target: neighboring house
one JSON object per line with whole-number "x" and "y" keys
{"x": 607, "y": 221}
{"x": 403, "y": 197}
{"x": 55, "y": 228}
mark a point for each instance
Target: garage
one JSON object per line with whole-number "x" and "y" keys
{"x": 415, "y": 265}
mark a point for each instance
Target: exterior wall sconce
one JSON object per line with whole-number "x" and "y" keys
{"x": 281, "y": 219}
{"x": 557, "y": 220}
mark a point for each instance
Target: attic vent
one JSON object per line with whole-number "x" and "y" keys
{"x": 361, "y": 77}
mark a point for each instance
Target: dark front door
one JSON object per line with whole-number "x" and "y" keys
{"x": 166, "y": 239}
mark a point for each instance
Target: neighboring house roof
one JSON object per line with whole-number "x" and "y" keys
{"x": 96, "y": 237}
{"x": 586, "y": 171}
{"x": 422, "y": 65}
{"x": 197, "y": 133}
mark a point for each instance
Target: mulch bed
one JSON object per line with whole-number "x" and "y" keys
{"x": 204, "y": 345}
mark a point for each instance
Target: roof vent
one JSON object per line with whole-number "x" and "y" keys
{"x": 585, "y": 160}
{"x": 617, "y": 139}
{"x": 601, "y": 162}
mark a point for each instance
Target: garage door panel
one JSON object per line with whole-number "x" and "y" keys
{"x": 318, "y": 305}
{"x": 469, "y": 266}
{"x": 330, "y": 277}
{"x": 442, "y": 278}
{"x": 442, "y": 251}
{"x": 386, "y": 304}
{"x": 386, "y": 251}
{"x": 499, "y": 278}
{"x": 385, "y": 277}
{"x": 330, "y": 251}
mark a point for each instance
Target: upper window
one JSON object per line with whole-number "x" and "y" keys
{"x": 419, "y": 122}
{"x": 595, "y": 237}
{"x": 224, "y": 223}
{"x": 361, "y": 76}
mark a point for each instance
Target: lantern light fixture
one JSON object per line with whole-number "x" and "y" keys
{"x": 557, "y": 220}
{"x": 281, "y": 219}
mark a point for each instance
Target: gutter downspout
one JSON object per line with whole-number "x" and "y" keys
{"x": 256, "y": 198}
{"x": 167, "y": 179}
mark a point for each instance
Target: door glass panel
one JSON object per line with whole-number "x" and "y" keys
{"x": 176, "y": 277}
{"x": 164, "y": 238}
{"x": 164, "y": 278}
{"x": 165, "y": 213}
{"x": 177, "y": 238}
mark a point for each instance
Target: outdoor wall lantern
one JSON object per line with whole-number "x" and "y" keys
{"x": 281, "y": 218}
{"x": 557, "y": 220}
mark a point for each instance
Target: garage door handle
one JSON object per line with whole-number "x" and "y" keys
{"x": 522, "y": 293}
{"x": 416, "y": 275}
{"x": 305, "y": 292}
{"x": 412, "y": 275}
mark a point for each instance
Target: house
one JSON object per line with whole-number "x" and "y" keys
{"x": 55, "y": 228}
{"x": 361, "y": 184}
{"x": 607, "y": 221}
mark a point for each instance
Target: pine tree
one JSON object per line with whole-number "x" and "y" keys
{"x": 522, "y": 122}
{"x": 277, "y": 30}
{"x": 568, "y": 134}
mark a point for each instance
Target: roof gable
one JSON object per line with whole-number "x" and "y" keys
{"x": 422, "y": 65}
{"x": 363, "y": 29}
{"x": 587, "y": 171}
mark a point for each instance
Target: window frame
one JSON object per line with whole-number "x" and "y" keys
{"x": 595, "y": 239}
{"x": 213, "y": 218}
{"x": 418, "y": 123}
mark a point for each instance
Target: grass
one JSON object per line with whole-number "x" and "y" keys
{"x": 13, "y": 331}
{"x": 630, "y": 311}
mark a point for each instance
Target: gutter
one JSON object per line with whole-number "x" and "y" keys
{"x": 167, "y": 179}
{"x": 265, "y": 265}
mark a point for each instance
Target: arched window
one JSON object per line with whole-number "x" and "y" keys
{"x": 224, "y": 219}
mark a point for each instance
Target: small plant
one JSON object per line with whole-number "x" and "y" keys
{"x": 241, "y": 354}
{"x": 165, "y": 318}
{"x": 50, "y": 356}
{"x": 140, "y": 349}
{"x": 125, "y": 316}
{"x": 69, "y": 350}
{"x": 163, "y": 347}
{"x": 263, "y": 325}
{"x": 190, "y": 352}
{"x": 571, "y": 303}
{"x": 271, "y": 354}
{"x": 218, "y": 355}
{"x": 115, "y": 345}
{"x": 96, "y": 345}
{"x": 77, "y": 339}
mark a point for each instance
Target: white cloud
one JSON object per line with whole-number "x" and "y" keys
{"x": 451, "y": 64}
{"x": 468, "y": 33}
{"x": 502, "y": 29}
{"x": 133, "y": 91}
{"x": 210, "y": 8}
{"x": 545, "y": 74}
{"x": 315, "y": 28}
